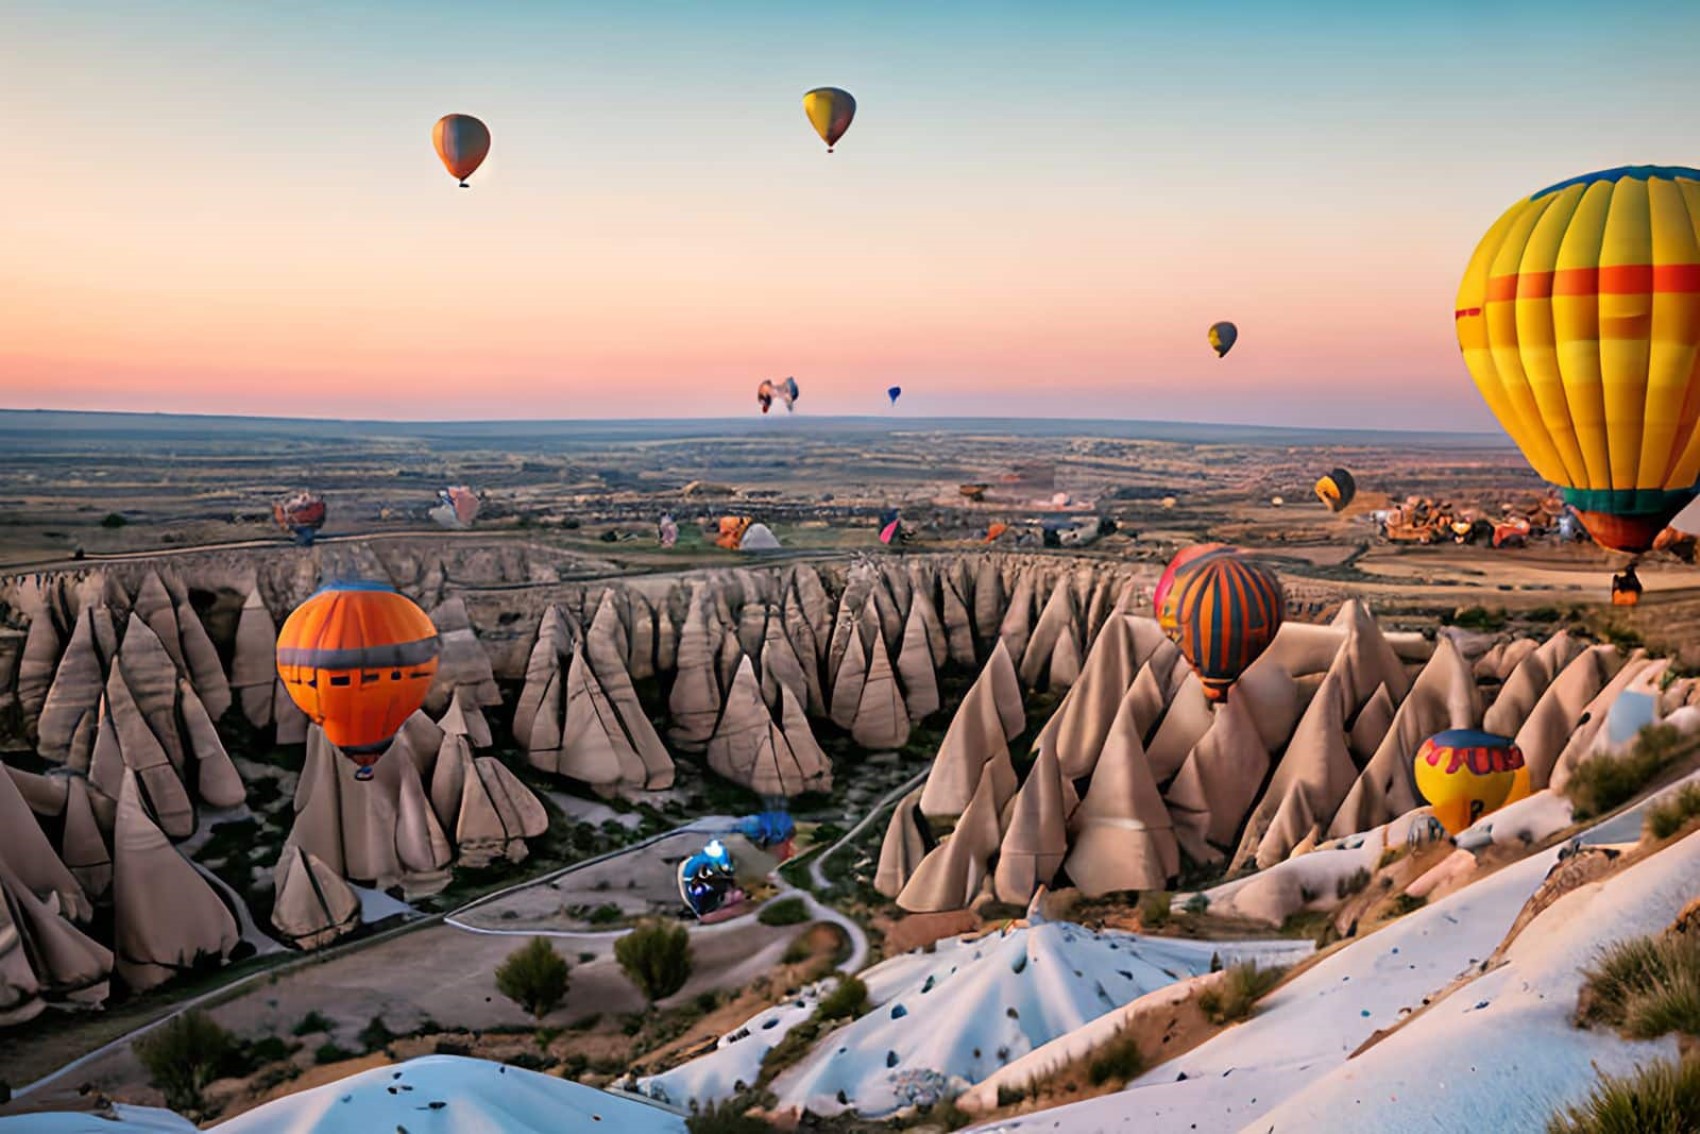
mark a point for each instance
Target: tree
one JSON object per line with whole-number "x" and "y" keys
{"x": 534, "y": 976}
{"x": 657, "y": 958}
{"x": 183, "y": 1055}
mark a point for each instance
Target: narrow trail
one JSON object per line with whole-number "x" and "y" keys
{"x": 816, "y": 874}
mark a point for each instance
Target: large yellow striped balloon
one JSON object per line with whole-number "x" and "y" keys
{"x": 1579, "y": 318}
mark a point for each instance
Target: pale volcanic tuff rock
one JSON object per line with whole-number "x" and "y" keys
{"x": 1121, "y": 835}
{"x": 1556, "y": 715}
{"x": 314, "y": 905}
{"x": 43, "y": 957}
{"x": 753, "y": 750}
{"x": 978, "y": 737}
{"x": 952, "y": 875}
{"x": 166, "y": 917}
{"x": 1036, "y": 842}
{"x": 253, "y": 664}
{"x": 1218, "y": 783}
{"x": 1527, "y": 682}
{"x": 907, "y": 840}
{"x": 463, "y": 664}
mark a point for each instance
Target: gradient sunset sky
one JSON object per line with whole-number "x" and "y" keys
{"x": 234, "y": 207}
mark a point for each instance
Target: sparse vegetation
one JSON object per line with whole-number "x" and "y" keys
{"x": 1197, "y": 905}
{"x": 785, "y": 911}
{"x": 726, "y": 1117}
{"x": 332, "y": 1053}
{"x": 1603, "y": 782}
{"x": 1479, "y": 618}
{"x": 1660, "y": 1098}
{"x": 1118, "y": 1061}
{"x": 1235, "y": 998}
{"x": 657, "y": 958}
{"x": 1407, "y": 903}
{"x": 113, "y": 520}
{"x": 1672, "y": 813}
{"x": 184, "y": 1054}
{"x": 313, "y": 1023}
{"x": 1154, "y": 910}
{"x": 847, "y": 1000}
{"x": 1645, "y": 987}
{"x": 376, "y": 1035}
{"x": 1354, "y": 883}
{"x": 535, "y": 977}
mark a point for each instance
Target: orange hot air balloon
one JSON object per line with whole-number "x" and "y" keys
{"x": 1161, "y": 607}
{"x": 462, "y": 143}
{"x": 358, "y": 659}
{"x": 1227, "y": 608}
{"x": 995, "y": 529}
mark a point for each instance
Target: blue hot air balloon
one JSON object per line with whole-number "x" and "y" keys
{"x": 894, "y": 393}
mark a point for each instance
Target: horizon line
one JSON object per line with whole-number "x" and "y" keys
{"x": 452, "y": 423}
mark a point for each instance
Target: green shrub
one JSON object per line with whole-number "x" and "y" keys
{"x": 1407, "y": 903}
{"x": 606, "y": 914}
{"x": 1672, "y": 813}
{"x": 1660, "y": 1098}
{"x": 535, "y": 977}
{"x": 1645, "y": 987}
{"x": 785, "y": 911}
{"x": 1237, "y": 995}
{"x": 657, "y": 958}
{"x": 375, "y": 1035}
{"x": 798, "y": 951}
{"x": 113, "y": 520}
{"x": 1479, "y": 618}
{"x": 312, "y": 1023}
{"x": 1118, "y": 1061}
{"x": 332, "y": 1053}
{"x": 1603, "y": 782}
{"x": 848, "y": 999}
{"x": 1154, "y": 910}
{"x": 1353, "y": 883}
{"x": 1011, "y": 1096}
{"x": 1198, "y": 904}
{"x": 184, "y": 1054}
{"x": 726, "y": 1117}
{"x": 269, "y": 1049}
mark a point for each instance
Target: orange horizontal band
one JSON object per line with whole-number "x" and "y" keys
{"x": 1618, "y": 279}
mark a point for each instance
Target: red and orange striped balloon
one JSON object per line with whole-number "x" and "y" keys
{"x": 358, "y": 658}
{"x": 1161, "y": 605}
{"x": 1227, "y": 608}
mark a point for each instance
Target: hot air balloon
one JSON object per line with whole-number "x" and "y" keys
{"x": 1222, "y": 338}
{"x": 667, "y": 531}
{"x": 890, "y": 524}
{"x": 1626, "y": 587}
{"x": 1464, "y": 774}
{"x": 894, "y": 393}
{"x": 457, "y": 507}
{"x": 358, "y": 658}
{"x": 302, "y": 515}
{"x": 995, "y": 529}
{"x": 1227, "y": 609}
{"x": 707, "y": 880}
{"x": 1579, "y": 319}
{"x": 830, "y": 111}
{"x": 462, "y": 143}
{"x": 1337, "y": 489}
{"x": 732, "y": 529}
{"x": 1160, "y": 608}
{"x": 785, "y": 391}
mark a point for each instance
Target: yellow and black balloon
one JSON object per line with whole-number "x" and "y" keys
{"x": 1223, "y": 336}
{"x": 1579, "y": 319}
{"x": 830, "y": 112}
{"x": 1336, "y": 489}
{"x": 1464, "y": 773}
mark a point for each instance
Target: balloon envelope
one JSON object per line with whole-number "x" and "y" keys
{"x": 1161, "y": 609}
{"x": 1222, "y": 337}
{"x": 463, "y": 142}
{"x": 830, "y": 111}
{"x": 889, "y": 524}
{"x": 1465, "y": 773}
{"x": 302, "y": 515}
{"x": 358, "y": 659}
{"x": 1579, "y": 319}
{"x": 1227, "y": 610}
{"x": 894, "y": 393}
{"x": 1336, "y": 489}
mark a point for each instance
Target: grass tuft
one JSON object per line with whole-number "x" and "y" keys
{"x": 1660, "y": 1098}
{"x": 1645, "y": 987}
{"x": 1603, "y": 782}
{"x": 1236, "y": 997}
{"x": 1118, "y": 1061}
{"x": 1672, "y": 813}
